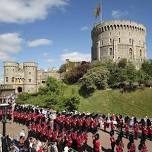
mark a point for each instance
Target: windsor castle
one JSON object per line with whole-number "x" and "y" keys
{"x": 111, "y": 40}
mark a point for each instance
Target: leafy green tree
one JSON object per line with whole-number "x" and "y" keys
{"x": 141, "y": 77}
{"x": 122, "y": 63}
{"x": 95, "y": 78}
{"x": 147, "y": 67}
{"x": 71, "y": 103}
{"x": 62, "y": 68}
{"x": 73, "y": 75}
{"x": 24, "y": 96}
{"x": 116, "y": 77}
{"x": 131, "y": 73}
{"x": 52, "y": 85}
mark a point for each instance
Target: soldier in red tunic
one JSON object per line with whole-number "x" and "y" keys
{"x": 127, "y": 130}
{"x": 112, "y": 140}
{"x": 131, "y": 146}
{"x": 136, "y": 128}
{"x": 96, "y": 143}
{"x": 119, "y": 144}
{"x": 142, "y": 146}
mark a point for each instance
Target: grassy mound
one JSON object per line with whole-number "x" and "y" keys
{"x": 138, "y": 103}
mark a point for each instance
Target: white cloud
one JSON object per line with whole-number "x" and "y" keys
{"x": 10, "y": 43}
{"x": 39, "y": 42}
{"x": 50, "y": 60}
{"x": 21, "y": 11}
{"x": 84, "y": 28}
{"x": 118, "y": 13}
{"x": 45, "y": 54}
{"x": 76, "y": 56}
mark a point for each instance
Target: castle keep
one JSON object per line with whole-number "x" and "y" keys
{"x": 119, "y": 39}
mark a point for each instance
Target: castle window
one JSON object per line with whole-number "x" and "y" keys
{"x": 101, "y": 42}
{"x": 140, "y": 52}
{"x": 110, "y": 40}
{"x": 111, "y": 52}
{"x": 29, "y": 80}
{"x": 43, "y": 81}
{"x": 130, "y": 40}
{"x": 119, "y": 40}
{"x": 130, "y": 52}
{"x": 29, "y": 72}
{"x": 6, "y": 79}
{"x": 12, "y": 79}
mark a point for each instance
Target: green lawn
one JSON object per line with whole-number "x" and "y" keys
{"x": 138, "y": 103}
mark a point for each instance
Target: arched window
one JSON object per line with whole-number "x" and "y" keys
{"x": 102, "y": 42}
{"x": 130, "y": 53}
{"x": 140, "y": 52}
{"x": 12, "y": 79}
{"x": 119, "y": 40}
{"x": 110, "y": 40}
{"x": 111, "y": 51}
{"x": 105, "y": 28}
{"x": 6, "y": 79}
{"x": 130, "y": 41}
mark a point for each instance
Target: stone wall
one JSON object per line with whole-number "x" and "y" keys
{"x": 119, "y": 39}
{"x": 25, "y": 77}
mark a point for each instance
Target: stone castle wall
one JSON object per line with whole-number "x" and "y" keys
{"x": 25, "y": 77}
{"x": 119, "y": 39}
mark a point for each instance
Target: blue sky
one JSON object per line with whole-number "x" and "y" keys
{"x": 49, "y": 31}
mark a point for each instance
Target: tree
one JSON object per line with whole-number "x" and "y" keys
{"x": 147, "y": 67}
{"x": 71, "y": 103}
{"x": 95, "y": 78}
{"x": 73, "y": 75}
{"x": 24, "y": 96}
{"x": 122, "y": 63}
{"x": 131, "y": 73}
{"x": 52, "y": 85}
{"x": 116, "y": 77}
{"x": 62, "y": 68}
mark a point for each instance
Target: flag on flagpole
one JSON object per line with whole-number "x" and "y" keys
{"x": 97, "y": 11}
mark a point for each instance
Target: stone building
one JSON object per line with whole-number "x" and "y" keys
{"x": 119, "y": 39}
{"x": 26, "y": 77}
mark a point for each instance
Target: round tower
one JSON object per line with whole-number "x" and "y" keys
{"x": 30, "y": 76}
{"x": 119, "y": 39}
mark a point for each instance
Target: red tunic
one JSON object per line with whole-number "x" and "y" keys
{"x": 96, "y": 145}
{"x": 119, "y": 148}
{"x": 132, "y": 148}
{"x": 112, "y": 140}
{"x": 144, "y": 149}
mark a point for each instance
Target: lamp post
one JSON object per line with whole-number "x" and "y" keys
{"x": 4, "y": 107}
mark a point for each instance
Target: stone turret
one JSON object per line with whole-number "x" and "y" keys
{"x": 30, "y": 76}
